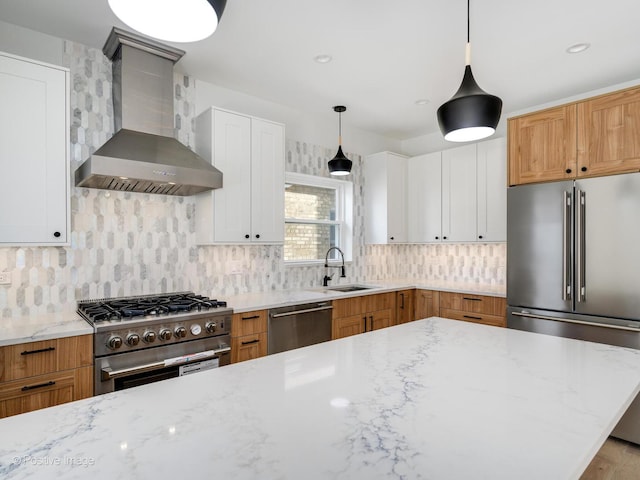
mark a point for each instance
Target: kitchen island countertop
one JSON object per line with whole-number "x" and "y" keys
{"x": 435, "y": 398}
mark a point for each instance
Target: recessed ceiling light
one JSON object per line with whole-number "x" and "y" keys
{"x": 422, "y": 101}
{"x": 578, "y": 47}
{"x": 323, "y": 58}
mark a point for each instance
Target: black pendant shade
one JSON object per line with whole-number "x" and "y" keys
{"x": 340, "y": 164}
{"x": 471, "y": 109}
{"x": 472, "y": 113}
{"x": 218, "y": 6}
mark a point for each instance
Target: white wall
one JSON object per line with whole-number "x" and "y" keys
{"x": 30, "y": 44}
{"x": 313, "y": 129}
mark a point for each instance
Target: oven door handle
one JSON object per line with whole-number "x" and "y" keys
{"x": 107, "y": 373}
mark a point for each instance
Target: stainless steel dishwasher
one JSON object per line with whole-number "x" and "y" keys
{"x": 297, "y": 326}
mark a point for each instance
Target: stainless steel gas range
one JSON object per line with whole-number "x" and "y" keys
{"x": 144, "y": 339}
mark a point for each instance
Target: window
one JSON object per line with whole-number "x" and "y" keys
{"x": 318, "y": 215}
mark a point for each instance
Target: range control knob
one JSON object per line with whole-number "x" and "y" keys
{"x": 149, "y": 336}
{"x": 133, "y": 339}
{"x": 180, "y": 332}
{"x": 164, "y": 334}
{"x": 114, "y": 342}
{"x": 195, "y": 329}
{"x": 211, "y": 327}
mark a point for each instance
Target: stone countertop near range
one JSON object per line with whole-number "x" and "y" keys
{"x": 39, "y": 327}
{"x": 280, "y": 298}
{"x": 433, "y": 398}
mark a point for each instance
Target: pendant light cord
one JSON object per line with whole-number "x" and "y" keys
{"x": 467, "y": 53}
{"x": 468, "y": 36}
{"x": 340, "y": 128}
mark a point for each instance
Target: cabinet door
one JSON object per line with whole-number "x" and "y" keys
{"x": 542, "y": 146}
{"x": 459, "y": 198}
{"x": 248, "y": 347}
{"x": 379, "y": 319}
{"x": 33, "y": 153}
{"x": 427, "y": 304}
{"x": 347, "y": 326}
{"x": 232, "y": 155}
{"x": 404, "y": 306}
{"x": 396, "y": 199}
{"x": 424, "y": 203}
{"x": 492, "y": 191}
{"x": 609, "y": 134}
{"x": 267, "y": 182}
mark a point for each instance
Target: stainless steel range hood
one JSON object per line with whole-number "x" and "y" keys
{"x": 143, "y": 156}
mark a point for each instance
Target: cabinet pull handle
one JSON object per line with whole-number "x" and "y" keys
{"x": 371, "y": 321}
{"x": 472, "y": 299}
{"x": 364, "y": 321}
{"x": 471, "y": 317}
{"x": 584, "y": 169}
{"x": 250, "y": 342}
{"x": 437, "y": 238}
{"x": 57, "y": 234}
{"x": 247, "y": 236}
{"x": 252, "y": 317}
{"x": 568, "y": 170}
{"x": 402, "y": 301}
{"x": 40, "y": 385}
{"x": 41, "y": 350}
{"x": 444, "y": 238}
{"x": 257, "y": 235}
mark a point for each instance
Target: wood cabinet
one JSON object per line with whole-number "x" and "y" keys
{"x": 473, "y": 308}
{"x": 405, "y": 300}
{"x": 355, "y": 315}
{"x": 34, "y": 138}
{"x": 250, "y": 153}
{"x": 248, "y": 335}
{"x": 427, "y": 304}
{"x": 385, "y": 198}
{"x": 609, "y": 134}
{"x": 593, "y": 137}
{"x": 45, "y": 373}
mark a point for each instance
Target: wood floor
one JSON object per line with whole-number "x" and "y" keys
{"x": 616, "y": 460}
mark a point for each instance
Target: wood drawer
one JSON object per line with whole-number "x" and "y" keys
{"x": 26, "y": 395}
{"x": 247, "y": 347}
{"x": 381, "y": 301}
{"x": 487, "y": 319}
{"x": 249, "y": 323}
{"x": 37, "y": 358}
{"x": 473, "y": 303}
{"x": 348, "y": 307}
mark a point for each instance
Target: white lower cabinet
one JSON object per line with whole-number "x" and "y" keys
{"x": 249, "y": 208}
{"x": 385, "y": 198}
{"x": 34, "y": 137}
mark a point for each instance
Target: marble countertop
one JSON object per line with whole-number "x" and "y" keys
{"x": 279, "y": 298}
{"x": 67, "y": 324}
{"x": 42, "y": 327}
{"x": 435, "y": 398}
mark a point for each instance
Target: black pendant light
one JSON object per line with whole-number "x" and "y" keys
{"x": 173, "y": 21}
{"x": 472, "y": 113}
{"x": 340, "y": 165}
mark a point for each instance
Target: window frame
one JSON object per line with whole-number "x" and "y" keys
{"x": 344, "y": 213}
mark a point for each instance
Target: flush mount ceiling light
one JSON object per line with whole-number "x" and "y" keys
{"x": 340, "y": 165}
{"x": 323, "y": 58}
{"x": 472, "y": 113}
{"x": 171, "y": 20}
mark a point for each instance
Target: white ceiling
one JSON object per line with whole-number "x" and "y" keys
{"x": 386, "y": 54}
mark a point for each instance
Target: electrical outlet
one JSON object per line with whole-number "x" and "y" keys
{"x": 5, "y": 278}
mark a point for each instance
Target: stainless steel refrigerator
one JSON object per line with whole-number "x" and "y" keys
{"x": 573, "y": 264}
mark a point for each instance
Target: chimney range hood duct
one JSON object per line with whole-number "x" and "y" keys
{"x": 142, "y": 156}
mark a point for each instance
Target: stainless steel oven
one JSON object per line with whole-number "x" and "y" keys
{"x": 139, "y": 340}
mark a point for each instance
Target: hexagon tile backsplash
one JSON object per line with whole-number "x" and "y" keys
{"x": 131, "y": 243}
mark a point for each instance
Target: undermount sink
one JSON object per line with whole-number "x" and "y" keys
{"x": 349, "y": 288}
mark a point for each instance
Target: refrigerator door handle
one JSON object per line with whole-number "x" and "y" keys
{"x": 578, "y": 322}
{"x": 580, "y": 245}
{"x": 566, "y": 245}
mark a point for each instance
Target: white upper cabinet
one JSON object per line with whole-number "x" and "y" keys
{"x": 492, "y": 190}
{"x": 459, "y": 207}
{"x": 34, "y": 136}
{"x": 249, "y": 208}
{"x": 424, "y": 198}
{"x": 385, "y": 198}
{"x": 459, "y": 195}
